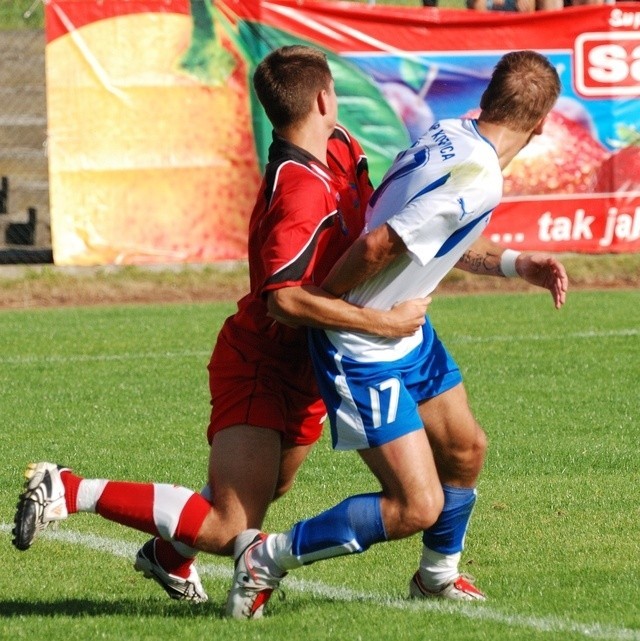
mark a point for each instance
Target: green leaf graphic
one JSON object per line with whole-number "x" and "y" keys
{"x": 362, "y": 108}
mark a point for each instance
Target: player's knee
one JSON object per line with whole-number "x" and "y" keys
{"x": 482, "y": 443}
{"x": 479, "y": 450}
{"x": 421, "y": 512}
{"x": 477, "y": 447}
{"x": 432, "y": 502}
{"x": 285, "y": 482}
{"x": 466, "y": 458}
{"x": 283, "y": 486}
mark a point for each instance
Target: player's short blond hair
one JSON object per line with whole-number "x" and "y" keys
{"x": 287, "y": 82}
{"x": 523, "y": 88}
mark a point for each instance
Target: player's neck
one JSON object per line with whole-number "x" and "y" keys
{"x": 312, "y": 139}
{"x": 506, "y": 142}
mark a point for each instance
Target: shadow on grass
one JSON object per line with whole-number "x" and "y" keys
{"x": 94, "y": 608}
{"x": 80, "y": 608}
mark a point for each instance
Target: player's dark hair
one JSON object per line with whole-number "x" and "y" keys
{"x": 287, "y": 82}
{"x": 523, "y": 88}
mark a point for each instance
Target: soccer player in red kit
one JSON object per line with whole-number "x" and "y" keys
{"x": 266, "y": 409}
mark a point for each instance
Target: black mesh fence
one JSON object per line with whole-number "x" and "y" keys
{"x": 25, "y": 235}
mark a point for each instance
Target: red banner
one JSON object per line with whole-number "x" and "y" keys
{"x": 157, "y": 141}
{"x": 576, "y": 187}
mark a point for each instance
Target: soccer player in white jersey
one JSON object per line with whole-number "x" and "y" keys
{"x": 401, "y": 403}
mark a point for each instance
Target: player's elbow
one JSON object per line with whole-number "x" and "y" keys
{"x": 372, "y": 252}
{"x": 277, "y": 305}
{"x": 381, "y": 246}
{"x": 282, "y": 305}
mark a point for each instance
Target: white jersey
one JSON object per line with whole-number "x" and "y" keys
{"x": 438, "y": 196}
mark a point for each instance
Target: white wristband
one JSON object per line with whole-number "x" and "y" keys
{"x": 508, "y": 263}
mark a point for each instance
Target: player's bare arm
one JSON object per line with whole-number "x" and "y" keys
{"x": 314, "y": 307}
{"x": 371, "y": 253}
{"x": 483, "y": 258}
{"x": 544, "y": 270}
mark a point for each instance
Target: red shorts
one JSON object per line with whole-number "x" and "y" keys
{"x": 274, "y": 390}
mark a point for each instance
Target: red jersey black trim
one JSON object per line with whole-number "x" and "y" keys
{"x": 361, "y": 163}
{"x": 295, "y": 270}
{"x": 282, "y": 151}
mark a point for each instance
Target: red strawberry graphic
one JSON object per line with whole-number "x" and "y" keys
{"x": 562, "y": 160}
{"x": 620, "y": 172}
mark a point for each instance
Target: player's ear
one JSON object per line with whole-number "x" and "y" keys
{"x": 540, "y": 126}
{"x": 322, "y": 100}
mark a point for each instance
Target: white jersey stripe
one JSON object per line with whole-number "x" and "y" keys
{"x": 314, "y": 169}
{"x": 350, "y": 432}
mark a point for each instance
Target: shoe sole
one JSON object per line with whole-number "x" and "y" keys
{"x": 26, "y": 526}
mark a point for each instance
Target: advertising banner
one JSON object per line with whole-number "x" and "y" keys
{"x": 156, "y": 141}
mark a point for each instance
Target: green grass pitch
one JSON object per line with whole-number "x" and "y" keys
{"x": 121, "y": 392}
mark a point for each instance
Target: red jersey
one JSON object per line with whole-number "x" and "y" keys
{"x": 306, "y": 216}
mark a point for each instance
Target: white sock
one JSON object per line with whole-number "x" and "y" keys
{"x": 276, "y": 555}
{"x": 437, "y": 569}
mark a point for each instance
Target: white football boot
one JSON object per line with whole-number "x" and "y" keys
{"x": 460, "y": 589}
{"x": 189, "y": 589}
{"x": 41, "y": 503}
{"x": 253, "y": 584}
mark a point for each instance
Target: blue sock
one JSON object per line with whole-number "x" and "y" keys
{"x": 447, "y": 534}
{"x": 349, "y": 527}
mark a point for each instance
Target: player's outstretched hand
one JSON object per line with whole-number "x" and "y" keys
{"x": 405, "y": 318}
{"x": 545, "y": 271}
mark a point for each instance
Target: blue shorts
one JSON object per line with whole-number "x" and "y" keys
{"x": 370, "y": 404}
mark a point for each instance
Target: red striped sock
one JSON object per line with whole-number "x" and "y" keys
{"x": 167, "y": 511}
{"x": 171, "y": 561}
{"x": 191, "y": 519}
{"x": 130, "y": 504}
